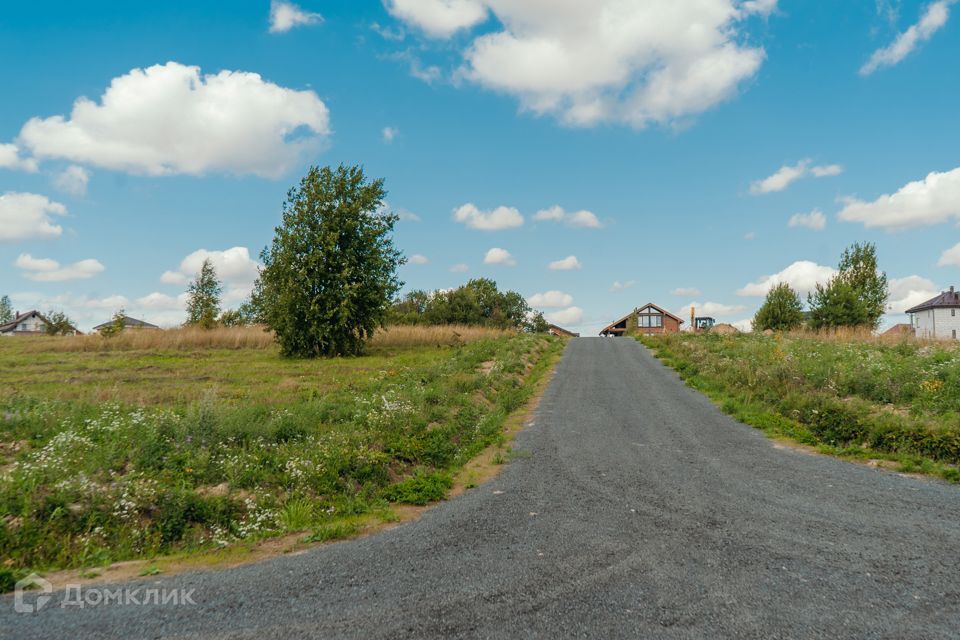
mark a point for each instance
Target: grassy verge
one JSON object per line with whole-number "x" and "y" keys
{"x": 896, "y": 405}
{"x": 114, "y": 454}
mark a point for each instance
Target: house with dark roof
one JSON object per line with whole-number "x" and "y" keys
{"x": 937, "y": 318}
{"x": 560, "y": 332}
{"x": 647, "y": 320}
{"x": 128, "y": 323}
{"x": 31, "y": 323}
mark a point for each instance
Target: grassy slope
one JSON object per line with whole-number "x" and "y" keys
{"x": 895, "y": 404}
{"x": 108, "y": 455}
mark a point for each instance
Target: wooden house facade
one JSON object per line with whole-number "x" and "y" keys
{"x": 648, "y": 320}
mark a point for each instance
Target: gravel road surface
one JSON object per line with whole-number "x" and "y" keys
{"x": 639, "y": 511}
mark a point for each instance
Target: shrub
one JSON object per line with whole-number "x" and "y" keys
{"x": 421, "y": 488}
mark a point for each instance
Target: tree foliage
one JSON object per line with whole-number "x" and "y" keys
{"x": 837, "y": 305}
{"x": 859, "y": 268}
{"x": 203, "y": 297}
{"x": 243, "y": 316}
{"x": 58, "y": 324}
{"x": 479, "y": 302}
{"x": 330, "y": 273}
{"x": 6, "y": 310}
{"x": 781, "y": 311}
{"x": 856, "y": 296}
{"x": 538, "y": 324}
{"x": 117, "y": 324}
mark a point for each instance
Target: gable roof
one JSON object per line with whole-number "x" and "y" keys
{"x": 563, "y": 331}
{"x": 897, "y": 329}
{"x": 947, "y": 299}
{"x": 9, "y": 326}
{"x": 610, "y": 326}
{"x": 128, "y": 322}
{"x": 660, "y": 309}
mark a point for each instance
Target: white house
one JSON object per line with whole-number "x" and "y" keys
{"x": 30, "y": 323}
{"x": 938, "y": 317}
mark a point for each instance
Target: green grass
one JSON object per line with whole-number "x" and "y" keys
{"x": 113, "y": 455}
{"x": 861, "y": 399}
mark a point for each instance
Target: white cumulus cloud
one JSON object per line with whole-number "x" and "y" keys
{"x": 439, "y": 18}
{"x": 493, "y": 220}
{"x": 163, "y": 302}
{"x": 788, "y": 174}
{"x": 934, "y": 17}
{"x": 568, "y": 316}
{"x": 73, "y": 179}
{"x": 621, "y": 286}
{"x": 418, "y": 259}
{"x": 566, "y": 264}
{"x": 814, "y": 220}
{"x": 286, "y": 15}
{"x": 10, "y": 159}
{"x": 170, "y": 119}
{"x": 582, "y": 218}
{"x": 950, "y": 257}
{"x": 908, "y": 292}
{"x": 631, "y": 61}
{"x": 459, "y": 268}
{"x": 389, "y": 134}
{"x": 47, "y": 270}
{"x": 550, "y": 300}
{"x": 933, "y": 200}
{"x": 499, "y": 256}
{"x": 803, "y": 276}
{"x": 234, "y": 267}
{"x": 28, "y": 215}
{"x": 712, "y": 309}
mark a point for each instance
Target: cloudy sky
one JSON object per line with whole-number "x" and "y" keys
{"x": 593, "y": 156}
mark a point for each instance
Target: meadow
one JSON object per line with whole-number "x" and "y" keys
{"x": 151, "y": 443}
{"x": 894, "y": 403}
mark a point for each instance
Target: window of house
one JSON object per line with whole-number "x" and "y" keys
{"x": 647, "y": 320}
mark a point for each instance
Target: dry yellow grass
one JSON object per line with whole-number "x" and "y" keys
{"x": 256, "y": 337}
{"x": 851, "y": 334}
{"x": 414, "y": 336}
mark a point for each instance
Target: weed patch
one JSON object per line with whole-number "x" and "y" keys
{"x": 124, "y": 454}
{"x": 850, "y": 396}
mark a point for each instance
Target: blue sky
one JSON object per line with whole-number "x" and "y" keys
{"x": 666, "y": 144}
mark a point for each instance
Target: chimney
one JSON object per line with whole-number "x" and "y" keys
{"x": 693, "y": 326}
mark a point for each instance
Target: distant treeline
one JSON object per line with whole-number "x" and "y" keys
{"x": 477, "y": 303}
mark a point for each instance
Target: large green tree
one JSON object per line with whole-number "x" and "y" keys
{"x": 58, "y": 324}
{"x": 856, "y": 296}
{"x": 781, "y": 311}
{"x": 203, "y": 297}
{"x": 837, "y": 305}
{"x": 330, "y": 274}
{"x": 479, "y": 302}
{"x": 859, "y": 268}
{"x": 6, "y": 310}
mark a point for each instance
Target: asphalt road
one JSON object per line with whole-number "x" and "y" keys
{"x": 641, "y": 511}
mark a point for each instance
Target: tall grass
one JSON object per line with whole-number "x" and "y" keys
{"x": 855, "y": 335}
{"x": 253, "y": 337}
{"x": 843, "y": 390}
{"x": 275, "y": 446}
